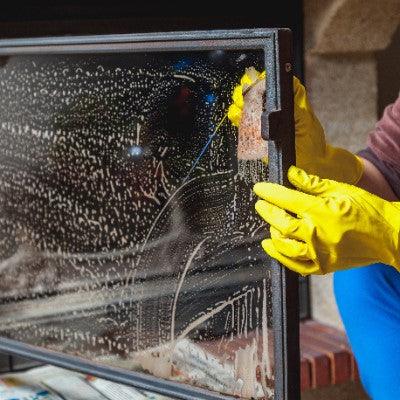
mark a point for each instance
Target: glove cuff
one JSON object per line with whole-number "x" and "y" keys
{"x": 393, "y": 219}
{"x": 342, "y": 165}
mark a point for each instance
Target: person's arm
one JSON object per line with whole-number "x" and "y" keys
{"x": 374, "y": 182}
{"x": 382, "y": 156}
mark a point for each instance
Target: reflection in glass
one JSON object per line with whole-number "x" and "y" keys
{"x": 127, "y": 228}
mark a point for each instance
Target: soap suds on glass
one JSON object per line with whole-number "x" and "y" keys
{"x": 106, "y": 251}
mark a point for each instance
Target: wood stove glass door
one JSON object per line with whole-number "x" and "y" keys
{"x": 128, "y": 236}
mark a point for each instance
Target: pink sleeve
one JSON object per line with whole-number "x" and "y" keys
{"x": 384, "y": 141}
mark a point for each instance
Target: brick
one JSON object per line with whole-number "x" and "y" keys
{"x": 333, "y": 336}
{"x": 320, "y": 365}
{"x": 305, "y": 374}
{"x": 339, "y": 357}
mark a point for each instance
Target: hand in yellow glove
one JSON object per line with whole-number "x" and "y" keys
{"x": 312, "y": 152}
{"x": 336, "y": 226}
{"x": 249, "y": 78}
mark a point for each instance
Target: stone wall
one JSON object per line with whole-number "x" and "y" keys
{"x": 344, "y": 41}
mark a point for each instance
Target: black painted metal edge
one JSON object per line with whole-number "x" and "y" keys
{"x": 241, "y": 34}
{"x": 160, "y": 42}
{"x": 278, "y": 128}
{"x": 139, "y": 380}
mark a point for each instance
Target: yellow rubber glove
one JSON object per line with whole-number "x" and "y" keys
{"x": 312, "y": 152}
{"x": 333, "y": 226}
{"x": 250, "y": 77}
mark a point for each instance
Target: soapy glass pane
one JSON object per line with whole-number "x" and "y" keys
{"x": 127, "y": 229}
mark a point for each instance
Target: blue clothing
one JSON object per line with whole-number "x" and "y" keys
{"x": 368, "y": 299}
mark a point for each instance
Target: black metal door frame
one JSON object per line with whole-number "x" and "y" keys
{"x": 277, "y": 128}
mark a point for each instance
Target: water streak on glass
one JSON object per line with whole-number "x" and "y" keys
{"x": 106, "y": 251}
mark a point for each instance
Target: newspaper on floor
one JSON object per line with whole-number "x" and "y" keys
{"x": 53, "y": 383}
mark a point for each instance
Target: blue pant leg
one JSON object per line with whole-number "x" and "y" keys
{"x": 368, "y": 299}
